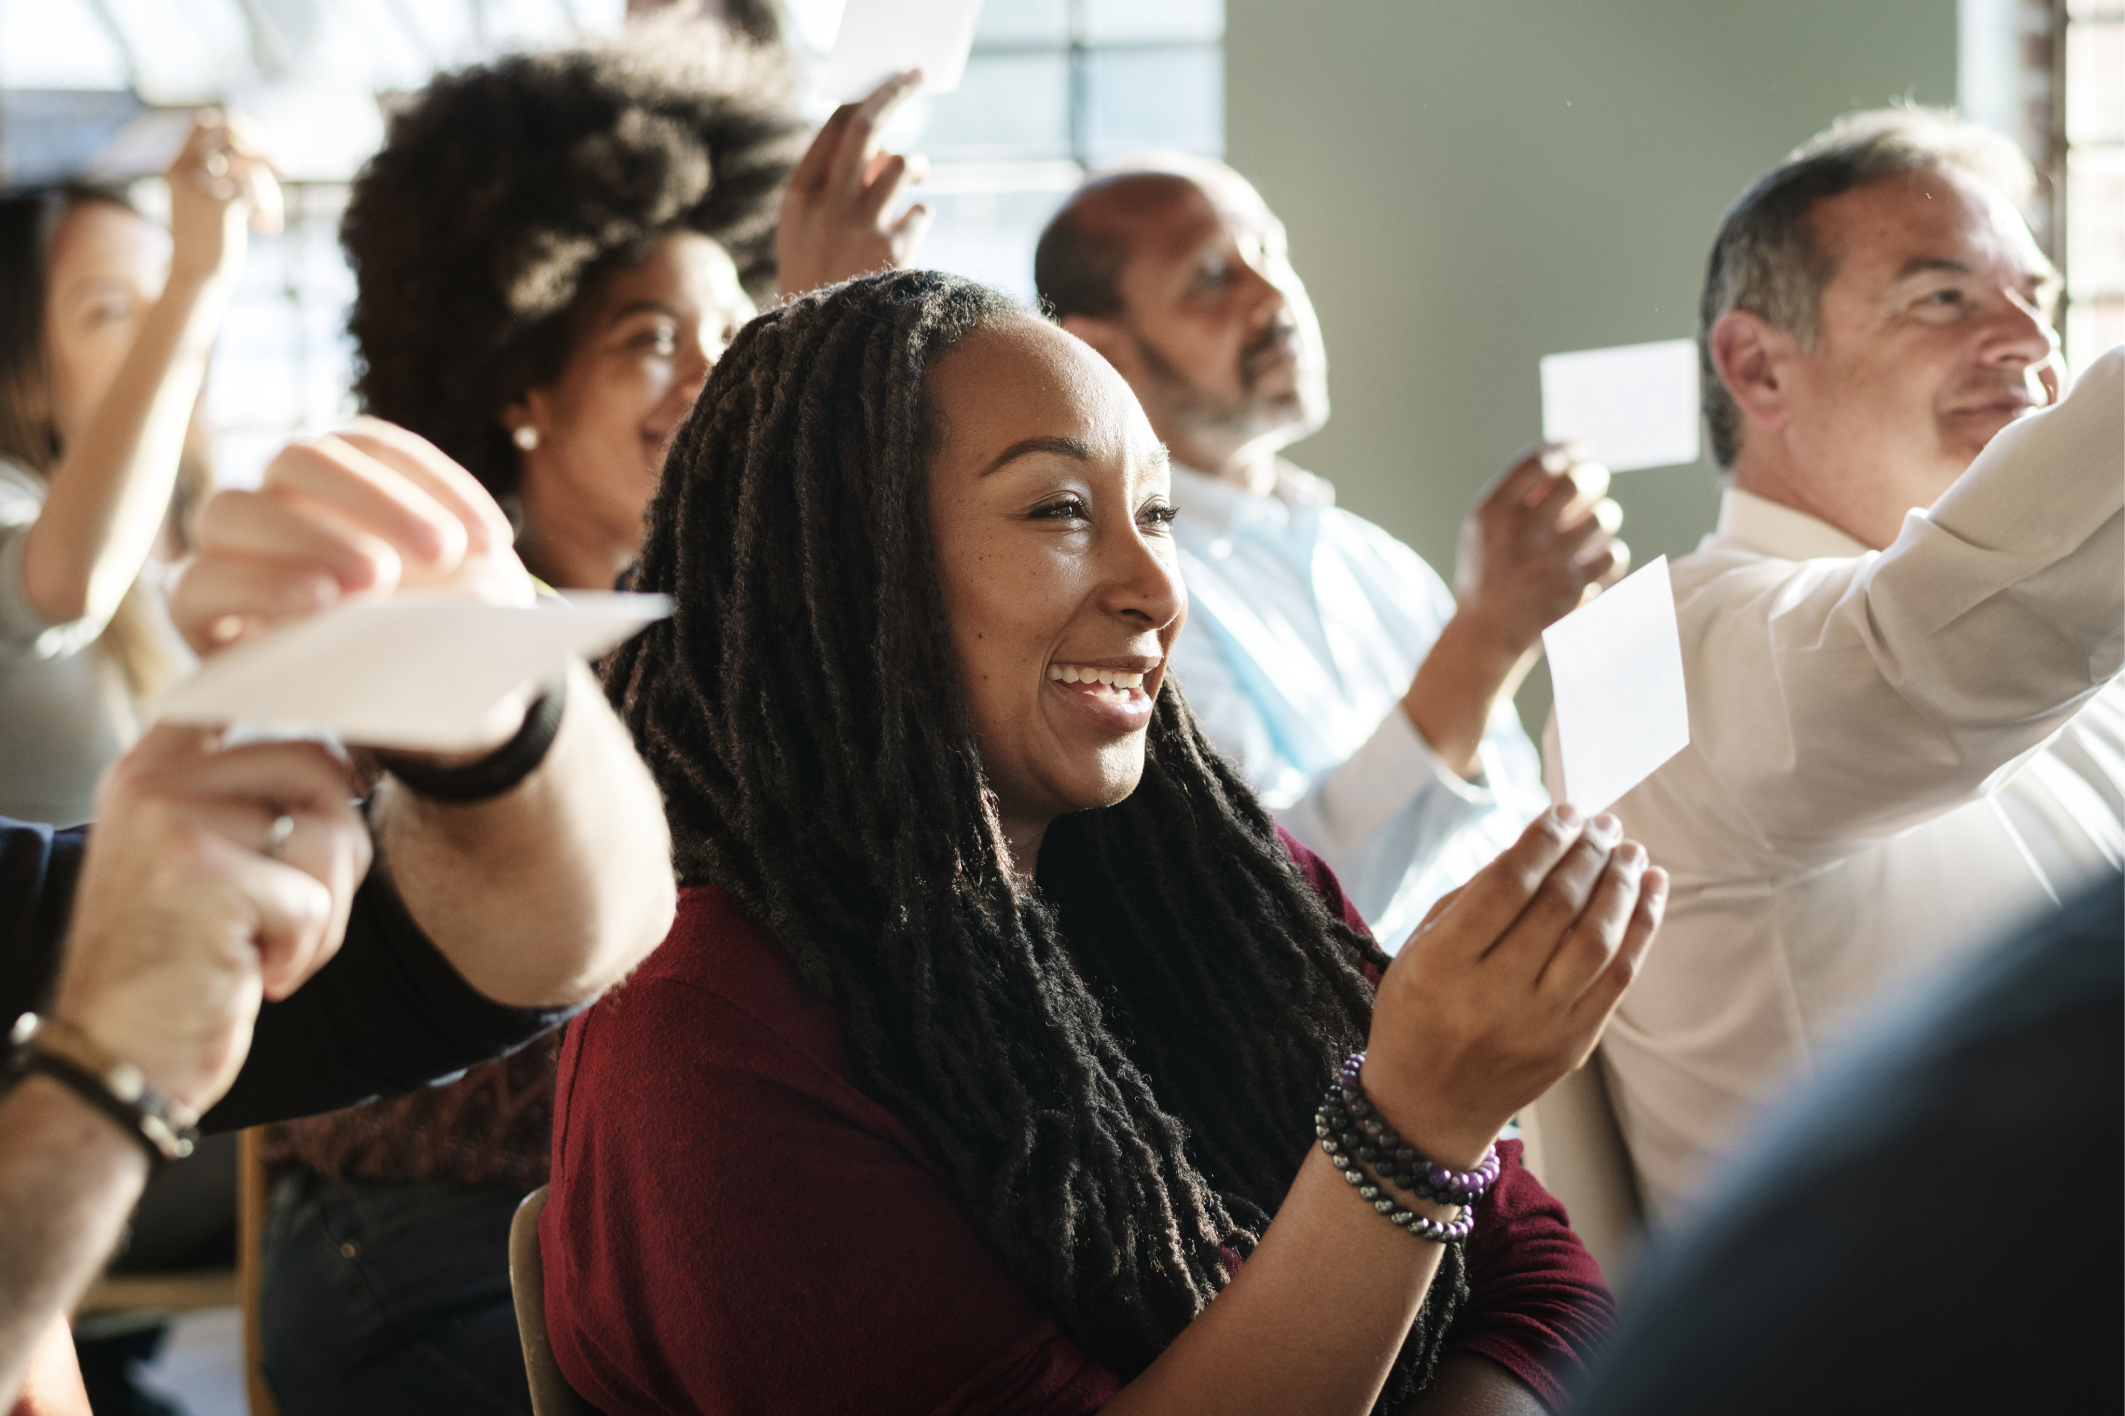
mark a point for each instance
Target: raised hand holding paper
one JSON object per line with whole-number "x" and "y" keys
{"x": 1615, "y": 669}
{"x": 422, "y": 672}
{"x": 881, "y": 38}
{"x": 1632, "y": 406}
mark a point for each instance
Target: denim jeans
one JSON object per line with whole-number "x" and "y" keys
{"x": 390, "y": 1298}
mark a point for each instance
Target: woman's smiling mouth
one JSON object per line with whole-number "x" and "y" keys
{"x": 1114, "y": 695}
{"x": 1113, "y": 685}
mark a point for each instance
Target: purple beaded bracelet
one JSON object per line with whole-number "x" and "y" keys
{"x": 1438, "y": 1231}
{"x": 1354, "y": 1134}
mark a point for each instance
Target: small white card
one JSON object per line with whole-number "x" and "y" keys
{"x": 880, "y": 38}
{"x": 1615, "y": 669}
{"x": 419, "y": 671}
{"x": 1632, "y": 406}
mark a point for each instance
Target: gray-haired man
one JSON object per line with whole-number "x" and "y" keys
{"x": 1901, "y": 638}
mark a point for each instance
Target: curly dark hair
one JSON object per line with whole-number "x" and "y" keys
{"x": 1117, "y": 1067}
{"x": 505, "y": 191}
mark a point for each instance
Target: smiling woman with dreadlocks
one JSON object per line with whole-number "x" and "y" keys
{"x": 987, "y": 1049}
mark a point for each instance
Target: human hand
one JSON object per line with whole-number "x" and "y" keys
{"x": 220, "y": 181}
{"x": 196, "y": 902}
{"x": 370, "y": 509}
{"x": 1509, "y": 981}
{"x": 1540, "y": 536}
{"x": 834, "y": 216}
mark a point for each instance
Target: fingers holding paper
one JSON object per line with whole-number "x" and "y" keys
{"x": 837, "y": 216}
{"x": 214, "y": 877}
{"x": 221, "y": 181}
{"x": 1609, "y": 944}
{"x": 1507, "y": 987}
{"x": 290, "y": 803}
{"x": 1542, "y": 537}
{"x": 373, "y": 481}
{"x": 1574, "y": 520}
{"x": 341, "y": 524}
{"x": 365, "y": 511}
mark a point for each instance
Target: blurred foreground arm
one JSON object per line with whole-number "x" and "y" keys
{"x": 548, "y": 895}
{"x": 179, "y": 932}
{"x": 541, "y": 897}
{"x": 52, "y": 1386}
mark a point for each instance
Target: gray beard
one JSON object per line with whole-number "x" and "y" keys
{"x": 1201, "y": 411}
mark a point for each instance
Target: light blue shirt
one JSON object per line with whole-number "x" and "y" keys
{"x": 1305, "y": 626}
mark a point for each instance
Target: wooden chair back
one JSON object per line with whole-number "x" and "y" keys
{"x": 551, "y": 1395}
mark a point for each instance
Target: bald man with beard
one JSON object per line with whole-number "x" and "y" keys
{"x": 1370, "y": 706}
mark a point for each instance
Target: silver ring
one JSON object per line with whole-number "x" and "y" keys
{"x": 277, "y": 835}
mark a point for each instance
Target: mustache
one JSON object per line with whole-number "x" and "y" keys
{"x": 1277, "y": 339}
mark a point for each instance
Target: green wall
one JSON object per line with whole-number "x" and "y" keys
{"x": 1471, "y": 185}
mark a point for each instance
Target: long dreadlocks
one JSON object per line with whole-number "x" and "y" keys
{"x": 1112, "y": 1122}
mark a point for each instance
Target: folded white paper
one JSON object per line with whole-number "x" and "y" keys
{"x": 1615, "y": 669}
{"x": 1632, "y": 406}
{"x": 880, "y": 38}
{"x": 419, "y": 671}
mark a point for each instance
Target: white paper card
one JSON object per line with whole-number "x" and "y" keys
{"x": 419, "y": 671}
{"x": 1615, "y": 669}
{"x": 880, "y": 38}
{"x": 1632, "y": 406}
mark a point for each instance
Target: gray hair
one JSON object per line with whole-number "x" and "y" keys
{"x": 1765, "y": 260}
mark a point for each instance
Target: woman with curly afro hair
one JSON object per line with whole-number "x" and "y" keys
{"x": 550, "y": 252}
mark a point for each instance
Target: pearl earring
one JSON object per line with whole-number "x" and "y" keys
{"x": 526, "y": 437}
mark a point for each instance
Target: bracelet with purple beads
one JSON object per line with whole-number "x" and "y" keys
{"x": 1348, "y": 1124}
{"x": 1438, "y": 1231}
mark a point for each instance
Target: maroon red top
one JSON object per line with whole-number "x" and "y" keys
{"x": 735, "y": 1227}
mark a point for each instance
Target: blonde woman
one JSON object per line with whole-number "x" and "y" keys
{"x": 106, "y": 324}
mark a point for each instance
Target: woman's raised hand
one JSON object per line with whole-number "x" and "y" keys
{"x": 1508, "y": 983}
{"x": 221, "y": 181}
{"x": 835, "y": 216}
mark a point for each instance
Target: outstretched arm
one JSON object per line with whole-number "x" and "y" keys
{"x": 181, "y": 926}
{"x": 549, "y": 895}
{"x": 543, "y": 896}
{"x": 112, "y": 486}
{"x": 68, "y": 1179}
{"x": 1839, "y": 700}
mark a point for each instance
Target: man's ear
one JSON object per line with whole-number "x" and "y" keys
{"x": 1745, "y": 350}
{"x": 1105, "y": 336}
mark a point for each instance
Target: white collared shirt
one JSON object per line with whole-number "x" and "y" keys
{"x": 1305, "y": 626}
{"x": 1894, "y": 756}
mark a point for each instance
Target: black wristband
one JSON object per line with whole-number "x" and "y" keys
{"x": 497, "y": 772}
